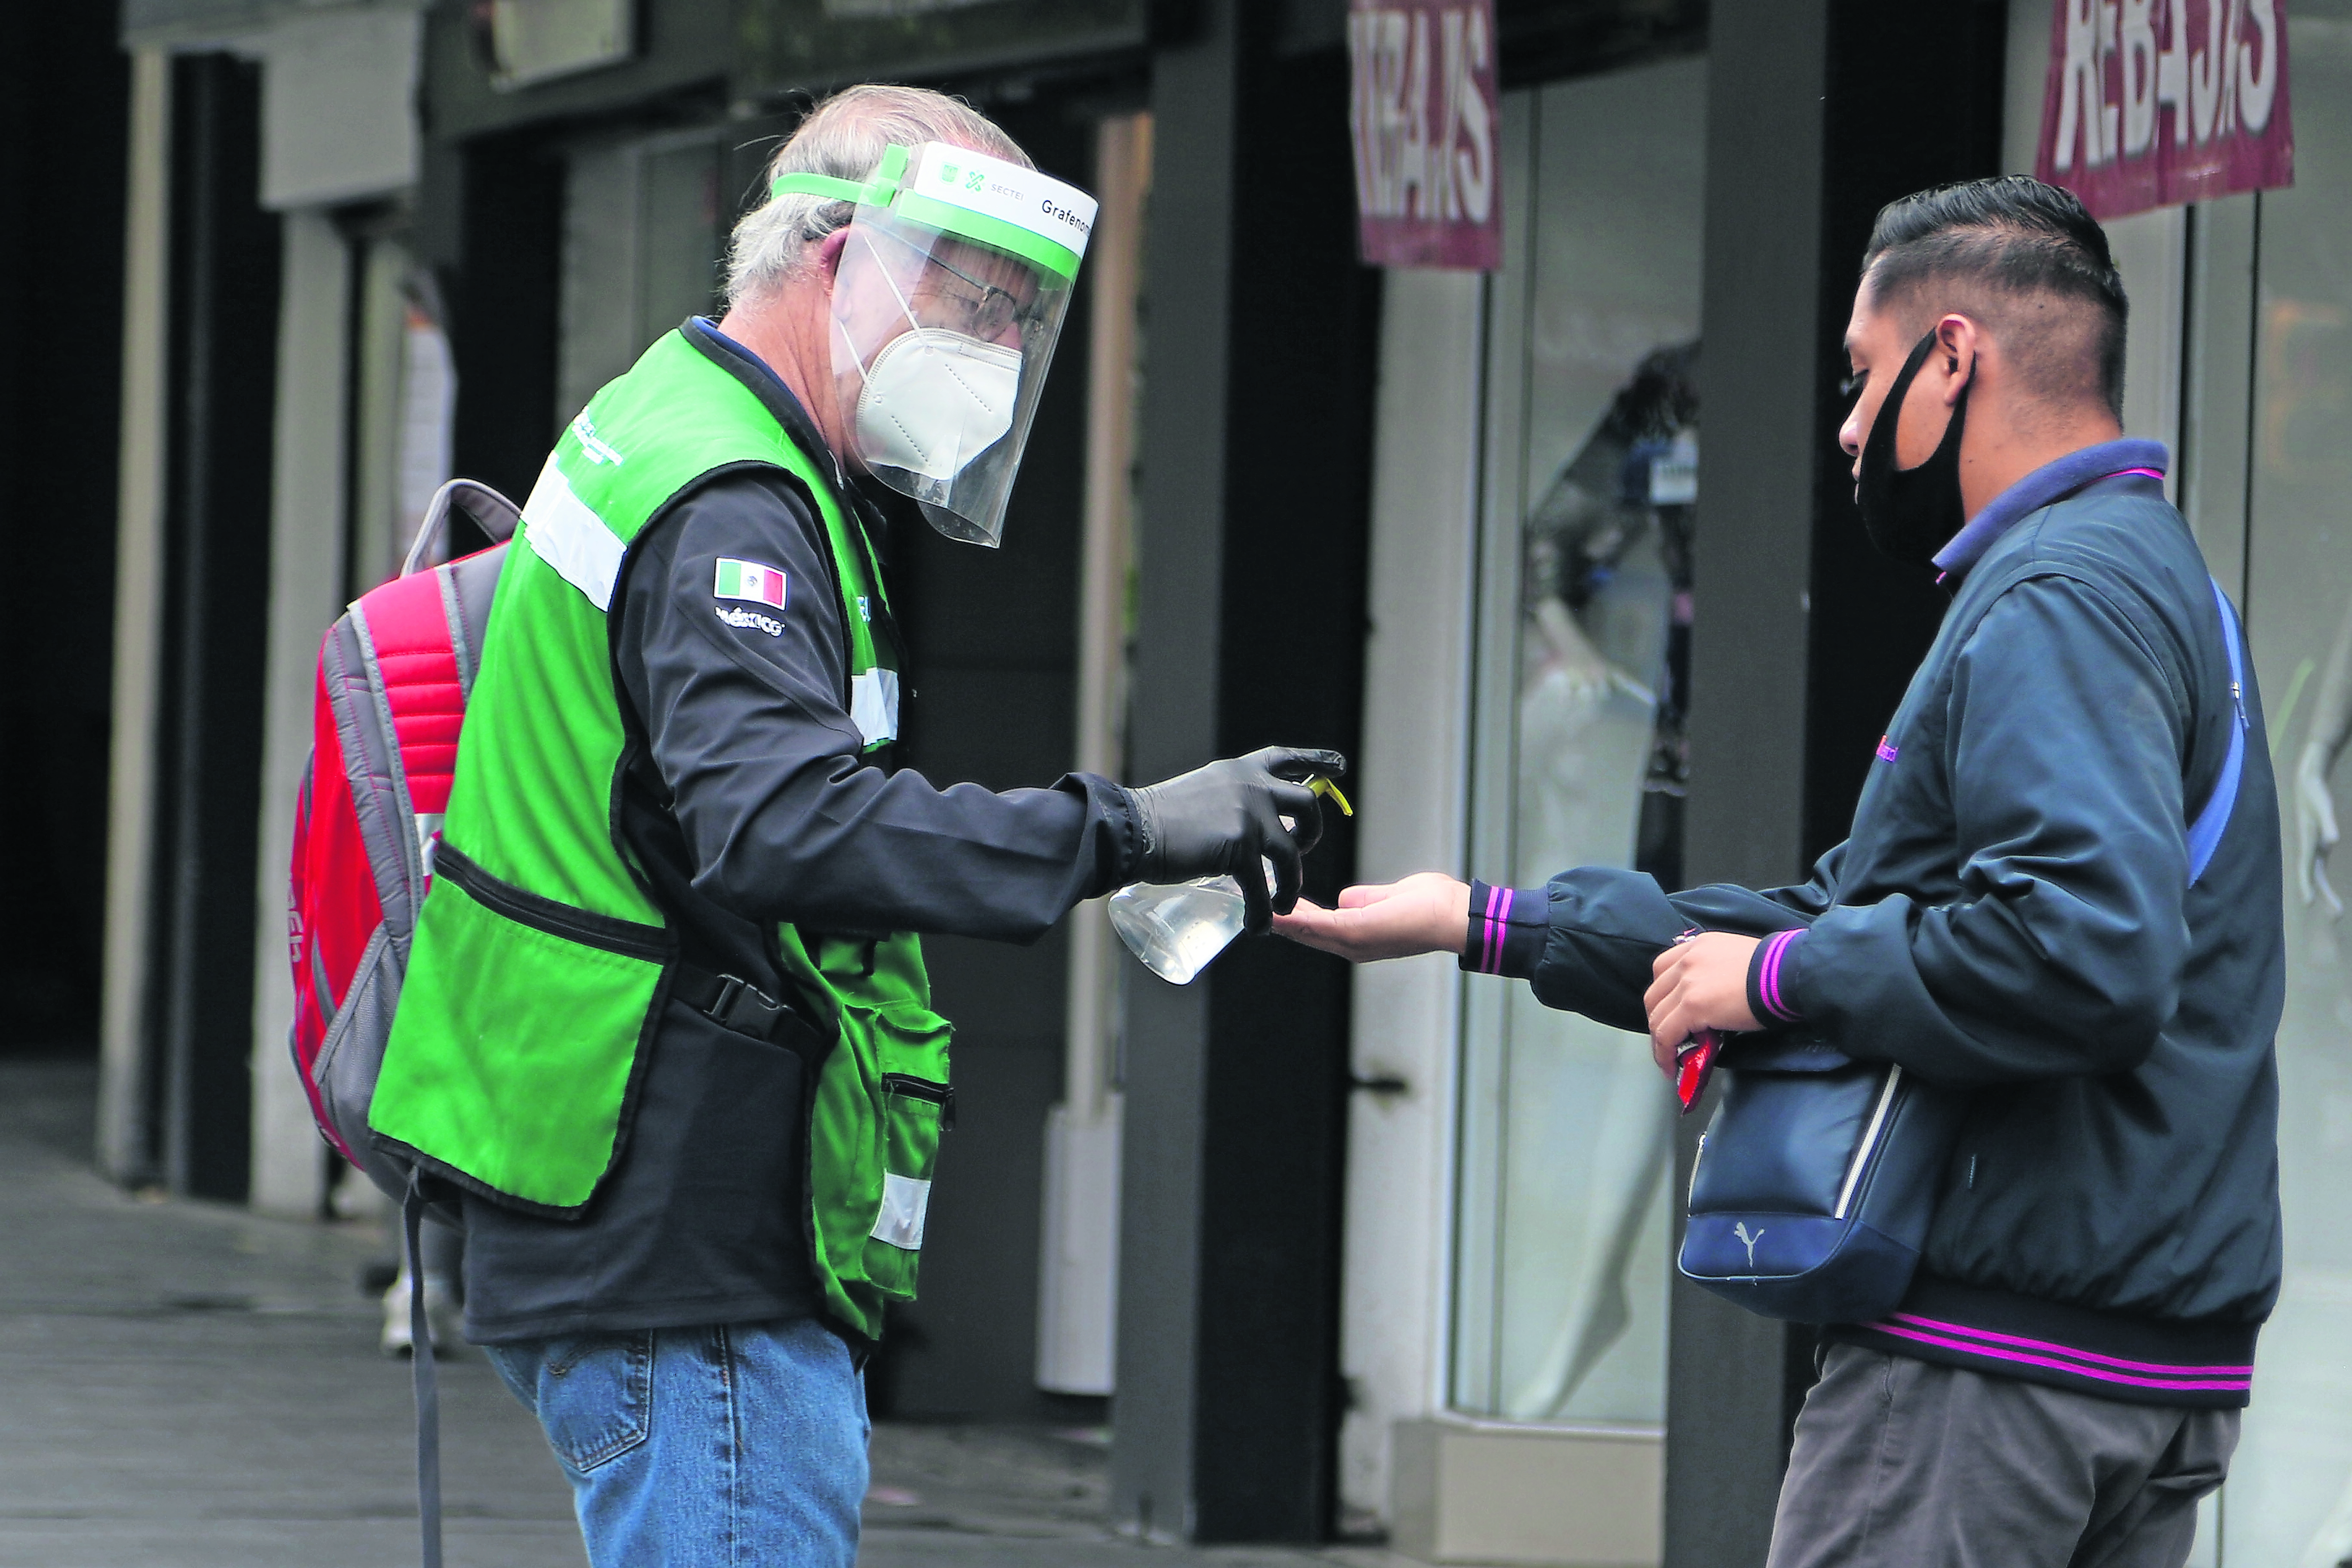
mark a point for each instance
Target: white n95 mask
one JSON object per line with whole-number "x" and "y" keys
{"x": 934, "y": 400}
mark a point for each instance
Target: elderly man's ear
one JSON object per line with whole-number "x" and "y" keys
{"x": 828, "y": 253}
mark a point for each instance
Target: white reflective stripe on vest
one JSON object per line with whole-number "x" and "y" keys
{"x": 873, "y": 705}
{"x": 904, "y": 1201}
{"x": 573, "y": 540}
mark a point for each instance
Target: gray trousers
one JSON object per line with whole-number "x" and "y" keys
{"x": 1902, "y": 1464}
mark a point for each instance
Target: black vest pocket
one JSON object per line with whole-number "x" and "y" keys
{"x": 700, "y": 1221}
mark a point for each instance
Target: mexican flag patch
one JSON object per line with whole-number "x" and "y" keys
{"x": 750, "y": 580}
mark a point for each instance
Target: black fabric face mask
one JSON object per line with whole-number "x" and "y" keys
{"x": 1911, "y": 514}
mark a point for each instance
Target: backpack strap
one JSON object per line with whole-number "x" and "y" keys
{"x": 2205, "y": 833}
{"x": 418, "y": 698}
{"x": 467, "y": 587}
{"x": 422, "y": 1354}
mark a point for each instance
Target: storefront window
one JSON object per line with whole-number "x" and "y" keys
{"x": 2289, "y": 1499}
{"x": 1584, "y": 615}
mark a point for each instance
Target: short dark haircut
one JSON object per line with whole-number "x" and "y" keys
{"x": 2004, "y": 251}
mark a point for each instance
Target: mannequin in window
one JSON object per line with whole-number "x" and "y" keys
{"x": 1602, "y": 766}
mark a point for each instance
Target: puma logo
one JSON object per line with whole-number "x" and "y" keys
{"x": 1741, "y": 1230}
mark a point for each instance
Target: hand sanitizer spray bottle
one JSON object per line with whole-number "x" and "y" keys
{"x": 1175, "y": 928}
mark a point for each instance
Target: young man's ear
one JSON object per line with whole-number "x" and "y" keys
{"x": 1957, "y": 341}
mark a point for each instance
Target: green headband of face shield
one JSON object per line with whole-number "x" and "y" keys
{"x": 1004, "y": 205}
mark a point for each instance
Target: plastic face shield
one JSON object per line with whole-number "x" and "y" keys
{"x": 947, "y": 302}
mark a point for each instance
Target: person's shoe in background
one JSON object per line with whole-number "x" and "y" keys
{"x": 441, "y": 1318}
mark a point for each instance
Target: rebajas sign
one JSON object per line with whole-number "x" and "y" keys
{"x": 1424, "y": 113}
{"x": 2150, "y": 103}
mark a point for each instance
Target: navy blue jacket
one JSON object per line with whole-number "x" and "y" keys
{"x": 2012, "y": 920}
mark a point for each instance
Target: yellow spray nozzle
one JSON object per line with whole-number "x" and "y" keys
{"x": 1325, "y": 787}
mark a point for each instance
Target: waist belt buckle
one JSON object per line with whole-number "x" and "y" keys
{"x": 745, "y": 1008}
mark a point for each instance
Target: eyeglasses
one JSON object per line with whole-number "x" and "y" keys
{"x": 990, "y": 315}
{"x": 987, "y": 316}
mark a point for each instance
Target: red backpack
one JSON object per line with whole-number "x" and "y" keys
{"x": 394, "y": 672}
{"x": 394, "y": 675}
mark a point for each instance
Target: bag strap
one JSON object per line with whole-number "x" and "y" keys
{"x": 2205, "y": 833}
{"x": 428, "y": 1388}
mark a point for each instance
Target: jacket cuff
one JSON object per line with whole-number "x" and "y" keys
{"x": 1508, "y": 928}
{"x": 1115, "y": 832}
{"x": 1772, "y": 979}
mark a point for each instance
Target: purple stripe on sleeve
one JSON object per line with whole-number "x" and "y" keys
{"x": 2063, "y": 1350}
{"x": 2232, "y": 1385}
{"x": 1492, "y": 939}
{"x": 1503, "y": 929}
{"x": 2149, "y": 473}
{"x": 1769, "y": 977}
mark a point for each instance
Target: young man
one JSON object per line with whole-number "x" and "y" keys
{"x": 666, "y": 1026}
{"x": 2013, "y": 917}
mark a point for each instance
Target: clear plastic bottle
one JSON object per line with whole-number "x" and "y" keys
{"x": 1174, "y": 928}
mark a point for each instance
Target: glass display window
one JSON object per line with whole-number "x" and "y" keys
{"x": 2289, "y": 1498}
{"x": 1584, "y": 618}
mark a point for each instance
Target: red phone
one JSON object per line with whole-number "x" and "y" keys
{"x": 1695, "y": 1057}
{"x": 1693, "y": 1065}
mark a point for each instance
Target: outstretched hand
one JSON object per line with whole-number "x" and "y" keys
{"x": 1426, "y": 913}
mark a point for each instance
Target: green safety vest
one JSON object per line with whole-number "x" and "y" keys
{"x": 540, "y": 963}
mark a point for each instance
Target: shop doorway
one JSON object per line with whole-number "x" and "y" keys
{"x": 66, "y": 86}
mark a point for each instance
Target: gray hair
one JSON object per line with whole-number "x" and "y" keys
{"x": 844, "y": 137}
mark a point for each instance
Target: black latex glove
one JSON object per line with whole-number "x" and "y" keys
{"x": 1225, "y": 816}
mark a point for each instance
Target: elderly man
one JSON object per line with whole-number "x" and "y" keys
{"x": 2060, "y": 900}
{"x": 666, "y": 1026}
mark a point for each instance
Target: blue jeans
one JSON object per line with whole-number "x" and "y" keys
{"x": 707, "y": 1447}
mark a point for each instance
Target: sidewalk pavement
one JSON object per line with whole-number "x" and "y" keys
{"x": 191, "y": 1385}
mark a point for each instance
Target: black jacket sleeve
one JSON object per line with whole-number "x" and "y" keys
{"x": 745, "y": 708}
{"x": 2062, "y": 954}
{"x": 1587, "y": 939}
